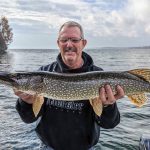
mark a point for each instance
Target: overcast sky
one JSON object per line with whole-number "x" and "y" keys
{"x": 106, "y": 23}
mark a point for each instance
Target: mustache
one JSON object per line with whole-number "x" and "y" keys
{"x": 73, "y": 49}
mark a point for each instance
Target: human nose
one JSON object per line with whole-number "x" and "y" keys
{"x": 69, "y": 43}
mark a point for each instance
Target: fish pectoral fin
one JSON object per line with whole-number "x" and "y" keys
{"x": 36, "y": 106}
{"x": 138, "y": 99}
{"x": 96, "y": 103}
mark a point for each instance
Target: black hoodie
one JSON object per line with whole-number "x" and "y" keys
{"x": 69, "y": 125}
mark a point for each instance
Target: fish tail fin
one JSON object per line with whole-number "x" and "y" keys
{"x": 142, "y": 73}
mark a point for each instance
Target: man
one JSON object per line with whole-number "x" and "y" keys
{"x": 71, "y": 125}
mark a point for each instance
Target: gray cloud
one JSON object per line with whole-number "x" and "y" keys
{"x": 101, "y": 19}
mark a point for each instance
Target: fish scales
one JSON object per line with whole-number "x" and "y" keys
{"x": 80, "y": 87}
{"x": 72, "y": 89}
{"x": 77, "y": 86}
{"x": 83, "y": 86}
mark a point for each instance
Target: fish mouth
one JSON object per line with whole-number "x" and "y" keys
{"x": 7, "y": 79}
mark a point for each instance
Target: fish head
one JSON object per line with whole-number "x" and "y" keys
{"x": 22, "y": 81}
{"x": 6, "y": 78}
{"x": 28, "y": 82}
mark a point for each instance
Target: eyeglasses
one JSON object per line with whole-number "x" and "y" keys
{"x": 73, "y": 40}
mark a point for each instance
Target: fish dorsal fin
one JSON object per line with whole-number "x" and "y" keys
{"x": 143, "y": 73}
{"x": 138, "y": 99}
{"x": 97, "y": 105}
{"x": 36, "y": 106}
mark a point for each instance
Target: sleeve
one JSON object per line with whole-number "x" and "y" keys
{"x": 25, "y": 111}
{"x": 110, "y": 117}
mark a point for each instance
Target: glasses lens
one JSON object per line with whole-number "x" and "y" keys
{"x": 73, "y": 40}
{"x": 63, "y": 40}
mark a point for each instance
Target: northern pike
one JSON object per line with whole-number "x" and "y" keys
{"x": 83, "y": 86}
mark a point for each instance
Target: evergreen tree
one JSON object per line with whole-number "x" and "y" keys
{"x": 6, "y": 35}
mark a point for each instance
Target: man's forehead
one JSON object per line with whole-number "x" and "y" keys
{"x": 67, "y": 28}
{"x": 70, "y": 30}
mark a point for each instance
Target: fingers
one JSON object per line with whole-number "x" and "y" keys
{"x": 17, "y": 92}
{"x": 102, "y": 96}
{"x": 120, "y": 92}
{"x": 110, "y": 96}
{"x": 107, "y": 97}
{"x": 28, "y": 98}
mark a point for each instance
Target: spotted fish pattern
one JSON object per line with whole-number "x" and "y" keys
{"x": 83, "y": 86}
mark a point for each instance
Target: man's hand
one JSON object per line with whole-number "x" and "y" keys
{"x": 28, "y": 98}
{"x": 107, "y": 97}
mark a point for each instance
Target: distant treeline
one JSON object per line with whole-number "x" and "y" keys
{"x": 142, "y": 47}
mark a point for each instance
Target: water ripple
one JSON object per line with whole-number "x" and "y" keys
{"x": 16, "y": 135}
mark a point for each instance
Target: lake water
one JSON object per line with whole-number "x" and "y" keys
{"x": 15, "y": 134}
